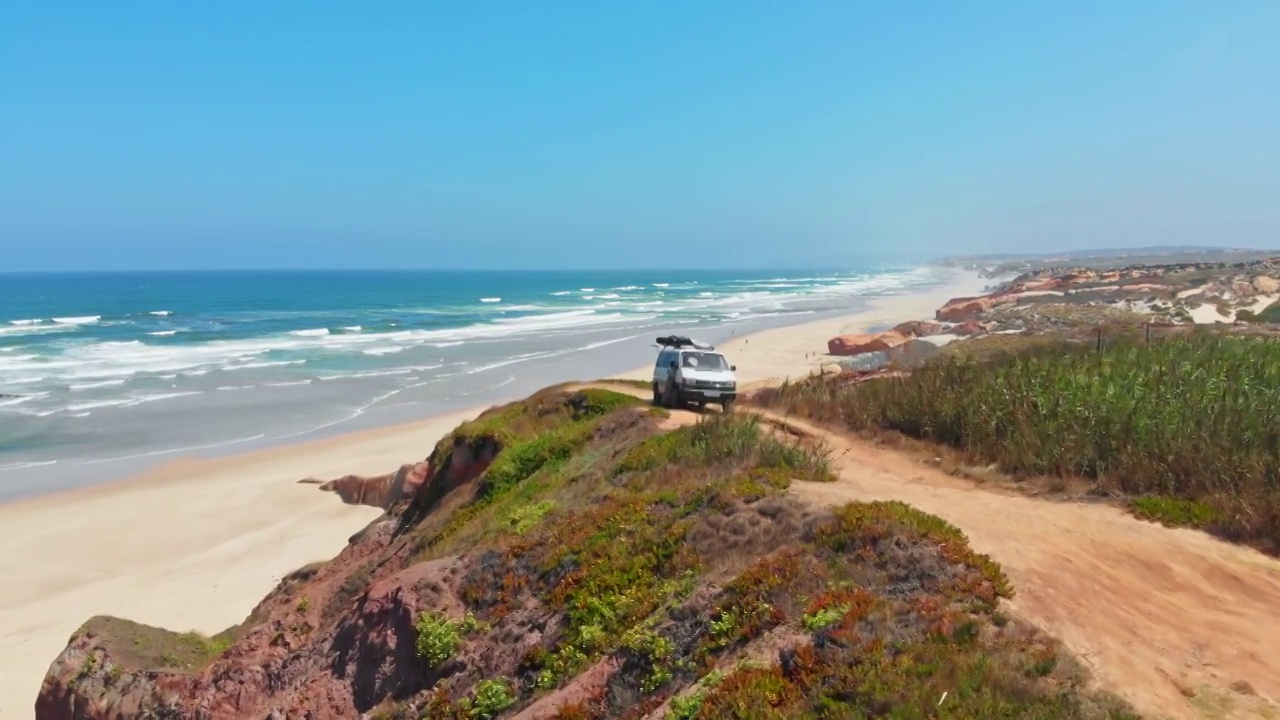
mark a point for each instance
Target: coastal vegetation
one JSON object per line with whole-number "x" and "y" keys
{"x": 1184, "y": 427}
{"x": 576, "y": 552}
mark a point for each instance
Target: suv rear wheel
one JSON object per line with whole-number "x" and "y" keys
{"x": 727, "y": 406}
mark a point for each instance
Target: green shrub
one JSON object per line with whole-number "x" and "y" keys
{"x": 1175, "y": 511}
{"x": 491, "y": 697}
{"x": 439, "y": 637}
{"x": 525, "y": 517}
{"x": 726, "y": 439}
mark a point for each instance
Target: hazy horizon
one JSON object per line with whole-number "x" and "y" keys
{"x": 817, "y": 265}
{"x": 585, "y": 136}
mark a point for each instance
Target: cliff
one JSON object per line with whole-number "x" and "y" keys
{"x": 578, "y": 555}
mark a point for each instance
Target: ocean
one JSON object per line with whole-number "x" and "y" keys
{"x": 104, "y": 374}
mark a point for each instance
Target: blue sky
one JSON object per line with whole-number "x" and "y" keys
{"x": 147, "y": 135}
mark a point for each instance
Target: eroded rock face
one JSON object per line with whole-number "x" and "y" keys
{"x": 864, "y": 343}
{"x": 330, "y": 642}
{"x": 1266, "y": 285}
{"x": 357, "y": 490}
{"x": 381, "y": 491}
{"x": 968, "y": 328}
{"x": 965, "y": 309}
{"x": 920, "y": 328}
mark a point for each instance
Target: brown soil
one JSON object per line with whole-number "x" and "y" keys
{"x": 1179, "y": 623}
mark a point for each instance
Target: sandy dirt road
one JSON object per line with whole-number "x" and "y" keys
{"x": 1177, "y": 622}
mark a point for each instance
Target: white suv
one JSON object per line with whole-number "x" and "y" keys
{"x": 687, "y": 371}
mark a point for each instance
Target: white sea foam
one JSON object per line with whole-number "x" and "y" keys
{"x": 662, "y": 285}
{"x": 162, "y": 396}
{"x": 160, "y": 313}
{"x": 587, "y": 289}
{"x": 353, "y": 328}
{"x": 94, "y": 404}
{"x": 170, "y": 451}
{"x": 513, "y": 360}
{"x": 367, "y": 374}
{"x": 128, "y": 401}
{"x": 269, "y": 364}
{"x": 24, "y": 323}
{"x": 34, "y": 329}
{"x": 92, "y": 385}
{"x": 389, "y": 350}
{"x": 562, "y": 293}
{"x": 83, "y": 320}
{"x": 27, "y": 465}
{"x": 232, "y": 388}
{"x": 491, "y": 300}
{"x": 163, "y": 333}
{"x": 291, "y": 383}
{"x": 603, "y": 343}
{"x": 317, "y": 332}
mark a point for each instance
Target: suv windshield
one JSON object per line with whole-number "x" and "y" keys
{"x": 705, "y": 361}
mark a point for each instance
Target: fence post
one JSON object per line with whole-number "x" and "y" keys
{"x": 1099, "y": 338}
{"x": 1148, "y": 333}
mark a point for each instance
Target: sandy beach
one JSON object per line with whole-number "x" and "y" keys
{"x": 196, "y": 543}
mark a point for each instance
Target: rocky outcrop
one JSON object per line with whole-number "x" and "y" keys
{"x": 382, "y": 491}
{"x": 920, "y": 328}
{"x": 968, "y": 328}
{"x": 1242, "y": 289}
{"x": 1266, "y": 285}
{"x": 358, "y": 490}
{"x": 965, "y": 309}
{"x": 332, "y": 641}
{"x": 864, "y": 343}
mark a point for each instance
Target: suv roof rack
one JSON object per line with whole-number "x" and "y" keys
{"x": 680, "y": 341}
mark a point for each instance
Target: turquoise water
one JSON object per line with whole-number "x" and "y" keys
{"x": 104, "y": 368}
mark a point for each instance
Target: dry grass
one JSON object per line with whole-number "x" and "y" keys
{"x": 1183, "y": 425}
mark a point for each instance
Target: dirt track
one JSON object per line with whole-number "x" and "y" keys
{"x": 1177, "y": 622}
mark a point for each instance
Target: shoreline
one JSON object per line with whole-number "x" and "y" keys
{"x": 195, "y": 543}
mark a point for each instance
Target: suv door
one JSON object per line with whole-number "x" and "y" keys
{"x": 661, "y": 366}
